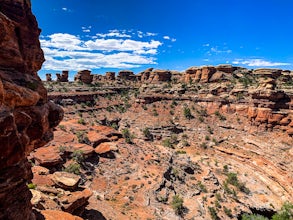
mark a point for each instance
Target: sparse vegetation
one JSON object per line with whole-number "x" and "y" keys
{"x": 82, "y": 137}
{"x": 31, "y": 186}
{"x": 177, "y": 204}
{"x": 147, "y": 133}
{"x": 220, "y": 116}
{"x": 77, "y": 156}
{"x": 127, "y": 136}
{"x": 286, "y": 213}
{"x": 213, "y": 213}
{"x": 187, "y": 113}
{"x": 73, "y": 168}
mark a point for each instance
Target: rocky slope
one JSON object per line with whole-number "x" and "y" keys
{"x": 219, "y": 138}
{"x": 27, "y": 118}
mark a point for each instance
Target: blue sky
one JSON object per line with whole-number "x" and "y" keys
{"x": 111, "y": 35}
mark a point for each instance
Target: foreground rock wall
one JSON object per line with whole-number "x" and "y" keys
{"x": 26, "y": 116}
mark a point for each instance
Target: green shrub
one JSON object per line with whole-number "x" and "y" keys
{"x": 82, "y": 137}
{"x": 147, "y": 134}
{"x": 127, "y": 136}
{"x": 213, "y": 213}
{"x": 167, "y": 143}
{"x": 253, "y": 217}
{"x": 187, "y": 113}
{"x": 73, "y": 168}
{"x": 31, "y": 186}
{"x": 220, "y": 116}
{"x": 228, "y": 212}
{"x": 81, "y": 121}
{"x": 286, "y": 212}
{"x": 202, "y": 187}
{"x": 77, "y": 156}
{"x": 177, "y": 204}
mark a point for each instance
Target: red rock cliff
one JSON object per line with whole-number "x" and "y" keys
{"x": 26, "y": 116}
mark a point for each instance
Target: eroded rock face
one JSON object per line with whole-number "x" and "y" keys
{"x": 62, "y": 77}
{"x": 84, "y": 76}
{"x": 26, "y": 116}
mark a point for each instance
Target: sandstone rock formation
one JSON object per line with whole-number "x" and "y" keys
{"x": 48, "y": 77}
{"x": 110, "y": 76}
{"x": 62, "y": 77}
{"x": 126, "y": 75}
{"x": 84, "y": 76}
{"x": 222, "y": 142}
{"x": 26, "y": 117}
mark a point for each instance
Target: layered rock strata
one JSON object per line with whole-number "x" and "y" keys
{"x": 26, "y": 117}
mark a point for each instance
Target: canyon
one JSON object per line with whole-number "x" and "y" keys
{"x": 219, "y": 138}
{"x": 211, "y": 142}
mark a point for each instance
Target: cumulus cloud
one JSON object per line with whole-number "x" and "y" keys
{"x": 73, "y": 52}
{"x": 259, "y": 63}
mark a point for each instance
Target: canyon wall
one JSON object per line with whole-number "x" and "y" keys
{"x": 26, "y": 116}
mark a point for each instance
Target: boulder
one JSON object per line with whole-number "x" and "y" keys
{"x": 75, "y": 200}
{"x": 106, "y": 147}
{"x": 67, "y": 181}
{"x": 47, "y": 156}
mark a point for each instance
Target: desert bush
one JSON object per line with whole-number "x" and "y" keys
{"x": 31, "y": 186}
{"x": 127, "y": 136}
{"x": 177, "y": 204}
{"x": 73, "y": 168}
{"x": 147, "y": 133}
{"x": 187, "y": 113}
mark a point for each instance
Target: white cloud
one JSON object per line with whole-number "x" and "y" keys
{"x": 206, "y": 45}
{"x": 218, "y": 51}
{"x": 259, "y": 63}
{"x": 169, "y": 38}
{"x": 149, "y": 34}
{"x": 115, "y": 33}
{"x": 64, "y": 9}
{"x": 86, "y": 29}
{"x": 140, "y": 34}
{"x": 66, "y": 51}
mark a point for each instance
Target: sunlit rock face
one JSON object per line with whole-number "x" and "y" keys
{"x": 26, "y": 116}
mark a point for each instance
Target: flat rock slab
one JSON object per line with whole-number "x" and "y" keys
{"x": 47, "y": 156}
{"x": 65, "y": 180}
{"x": 106, "y": 147}
{"x": 75, "y": 200}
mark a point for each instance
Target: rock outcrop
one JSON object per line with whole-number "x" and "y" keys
{"x": 155, "y": 76}
{"x": 26, "y": 117}
{"x": 62, "y": 77}
{"x": 110, "y": 76}
{"x": 84, "y": 76}
{"x": 48, "y": 77}
{"x": 126, "y": 75}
